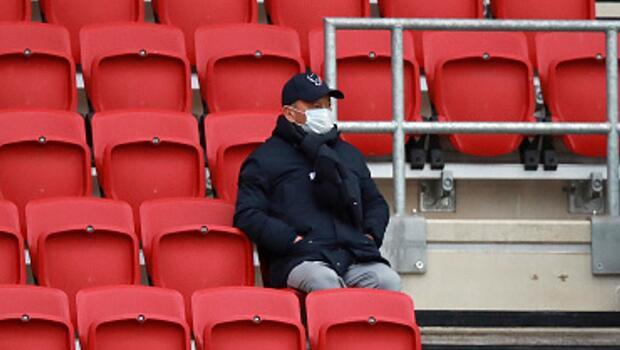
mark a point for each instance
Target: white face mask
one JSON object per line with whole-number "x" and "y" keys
{"x": 318, "y": 120}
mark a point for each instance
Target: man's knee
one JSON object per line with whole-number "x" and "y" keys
{"x": 389, "y": 280}
{"x": 324, "y": 278}
{"x": 377, "y": 275}
{"x": 310, "y": 276}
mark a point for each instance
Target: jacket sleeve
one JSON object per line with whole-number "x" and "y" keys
{"x": 252, "y": 212}
{"x": 376, "y": 210}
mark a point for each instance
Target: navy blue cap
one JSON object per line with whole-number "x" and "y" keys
{"x": 307, "y": 87}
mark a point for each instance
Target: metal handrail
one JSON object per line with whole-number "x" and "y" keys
{"x": 399, "y": 127}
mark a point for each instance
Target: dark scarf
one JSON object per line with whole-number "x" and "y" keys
{"x": 331, "y": 186}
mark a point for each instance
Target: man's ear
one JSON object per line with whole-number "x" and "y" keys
{"x": 288, "y": 114}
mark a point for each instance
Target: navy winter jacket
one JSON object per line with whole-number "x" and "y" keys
{"x": 276, "y": 203}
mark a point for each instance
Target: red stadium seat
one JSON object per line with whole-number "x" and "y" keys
{"x": 364, "y": 75}
{"x": 305, "y": 16}
{"x": 190, "y": 244}
{"x": 244, "y": 66}
{"x": 36, "y": 67}
{"x": 227, "y": 151}
{"x": 148, "y": 155}
{"x": 132, "y": 317}
{"x": 12, "y": 264}
{"x": 136, "y": 65}
{"x": 33, "y": 318}
{"x": 480, "y": 76}
{"x": 548, "y": 9}
{"x": 78, "y": 243}
{"x": 430, "y": 9}
{"x": 15, "y": 10}
{"x": 189, "y": 15}
{"x": 361, "y": 319}
{"x": 573, "y": 77}
{"x": 42, "y": 154}
{"x": 247, "y": 318}
{"x": 75, "y": 14}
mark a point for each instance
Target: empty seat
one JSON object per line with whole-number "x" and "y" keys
{"x": 245, "y": 66}
{"x": 75, "y": 14}
{"x": 361, "y": 319}
{"x": 12, "y": 264}
{"x": 247, "y": 318}
{"x": 226, "y": 150}
{"x": 34, "y": 318}
{"x": 36, "y": 67}
{"x": 430, "y": 9}
{"x": 190, "y": 244}
{"x": 136, "y": 65}
{"x": 78, "y": 243}
{"x": 305, "y": 16}
{"x": 548, "y": 9}
{"x": 132, "y": 317}
{"x": 189, "y": 15}
{"x": 480, "y": 76}
{"x": 365, "y": 76}
{"x": 43, "y": 154}
{"x": 573, "y": 77}
{"x": 148, "y": 155}
{"x": 15, "y": 10}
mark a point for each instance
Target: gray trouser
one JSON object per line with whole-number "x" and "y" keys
{"x": 316, "y": 275}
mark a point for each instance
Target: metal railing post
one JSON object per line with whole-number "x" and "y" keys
{"x": 398, "y": 114}
{"x": 612, "y": 116}
{"x": 330, "y": 63}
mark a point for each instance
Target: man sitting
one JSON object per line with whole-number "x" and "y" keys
{"x": 307, "y": 200}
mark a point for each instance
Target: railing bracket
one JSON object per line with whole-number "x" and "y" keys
{"x": 587, "y": 196}
{"x": 438, "y": 195}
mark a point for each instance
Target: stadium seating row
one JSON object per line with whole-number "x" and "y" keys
{"x": 139, "y": 155}
{"x": 303, "y": 16}
{"x": 132, "y": 317}
{"x": 181, "y": 239}
{"x": 471, "y": 76}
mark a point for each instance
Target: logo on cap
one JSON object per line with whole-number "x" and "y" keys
{"x": 314, "y": 79}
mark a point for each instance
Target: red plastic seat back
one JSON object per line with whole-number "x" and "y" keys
{"x": 15, "y": 10}
{"x": 573, "y": 77}
{"x": 246, "y": 317}
{"x": 361, "y": 319}
{"x": 190, "y": 244}
{"x": 34, "y": 318}
{"x": 78, "y": 243}
{"x": 189, "y": 15}
{"x": 50, "y": 140}
{"x": 12, "y": 263}
{"x": 36, "y": 67}
{"x": 244, "y": 66}
{"x": 143, "y": 155}
{"x": 365, "y": 77}
{"x": 430, "y": 9}
{"x": 76, "y": 14}
{"x": 305, "y": 16}
{"x": 226, "y": 151}
{"x": 480, "y": 76}
{"x": 548, "y": 9}
{"x": 132, "y": 317}
{"x": 136, "y": 65}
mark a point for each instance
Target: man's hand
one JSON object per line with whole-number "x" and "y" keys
{"x": 370, "y": 237}
{"x": 297, "y": 239}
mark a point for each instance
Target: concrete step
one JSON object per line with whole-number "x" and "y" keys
{"x": 521, "y": 337}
